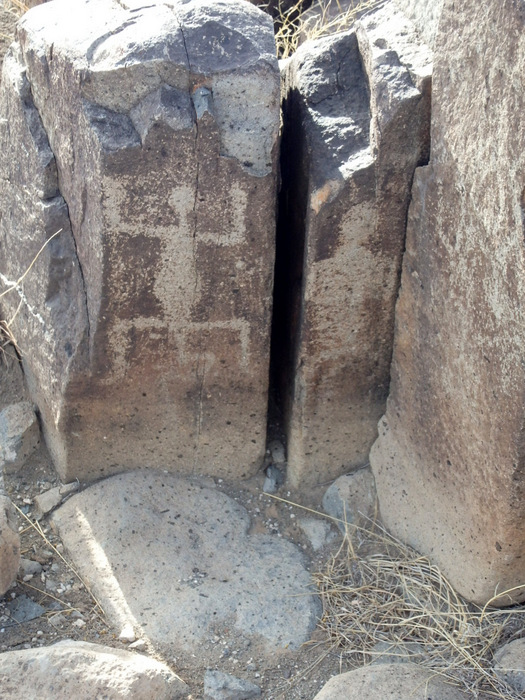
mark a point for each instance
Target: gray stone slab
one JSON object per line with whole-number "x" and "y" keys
{"x": 23, "y": 609}
{"x": 173, "y": 558}
{"x": 356, "y": 124}
{"x": 425, "y": 14}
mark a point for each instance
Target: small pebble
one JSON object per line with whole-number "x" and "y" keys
{"x": 79, "y": 623}
{"x": 139, "y": 644}
{"x": 127, "y": 634}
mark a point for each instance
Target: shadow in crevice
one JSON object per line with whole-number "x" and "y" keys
{"x": 289, "y": 261}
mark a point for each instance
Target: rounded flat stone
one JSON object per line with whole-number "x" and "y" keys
{"x": 173, "y": 558}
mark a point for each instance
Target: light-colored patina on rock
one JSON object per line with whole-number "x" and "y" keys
{"x": 145, "y": 322}
{"x": 425, "y": 14}
{"x": 356, "y": 115}
{"x": 449, "y": 463}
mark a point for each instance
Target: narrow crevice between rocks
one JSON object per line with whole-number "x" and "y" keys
{"x": 289, "y": 262}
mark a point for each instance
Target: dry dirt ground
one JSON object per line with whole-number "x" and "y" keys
{"x": 69, "y": 611}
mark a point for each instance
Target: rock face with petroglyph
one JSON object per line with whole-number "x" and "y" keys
{"x": 356, "y": 115}
{"x": 150, "y": 134}
{"x": 451, "y": 443}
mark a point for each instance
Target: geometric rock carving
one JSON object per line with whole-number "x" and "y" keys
{"x": 449, "y": 462}
{"x": 147, "y": 136}
{"x": 356, "y": 118}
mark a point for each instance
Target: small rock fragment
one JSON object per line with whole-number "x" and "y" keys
{"x": 19, "y": 435}
{"x": 9, "y": 545}
{"x": 351, "y": 498}
{"x": 49, "y": 500}
{"x": 223, "y": 686}
{"x": 318, "y": 532}
{"x": 274, "y": 479}
{"x": 277, "y": 451}
{"x": 127, "y": 634}
{"x": 29, "y": 567}
{"x": 68, "y": 489}
{"x": 138, "y": 645}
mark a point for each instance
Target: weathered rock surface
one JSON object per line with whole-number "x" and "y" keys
{"x": 425, "y": 14}
{"x": 84, "y": 671}
{"x": 50, "y": 298}
{"x": 45, "y": 502}
{"x": 223, "y": 686}
{"x": 145, "y": 322}
{"x": 319, "y": 532}
{"x": 19, "y": 435}
{"x": 9, "y": 544}
{"x": 173, "y": 558}
{"x": 509, "y": 664}
{"x": 390, "y": 682}
{"x": 351, "y": 499}
{"x": 356, "y": 115}
{"x": 449, "y": 463}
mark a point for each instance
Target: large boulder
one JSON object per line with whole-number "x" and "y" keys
{"x": 390, "y": 682}
{"x": 147, "y": 136}
{"x": 449, "y": 463}
{"x": 356, "y": 124}
{"x": 83, "y": 671}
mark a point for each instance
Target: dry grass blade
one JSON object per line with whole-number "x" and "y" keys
{"x": 381, "y": 597}
{"x": 6, "y": 334}
{"x": 16, "y": 7}
{"x": 37, "y": 527}
{"x": 378, "y": 591}
{"x": 22, "y": 277}
{"x": 324, "y": 18}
